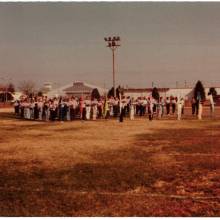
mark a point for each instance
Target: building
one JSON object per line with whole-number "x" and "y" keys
{"x": 47, "y": 87}
{"x": 77, "y": 88}
{"x": 143, "y": 92}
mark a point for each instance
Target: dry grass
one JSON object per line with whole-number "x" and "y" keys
{"x": 106, "y": 168}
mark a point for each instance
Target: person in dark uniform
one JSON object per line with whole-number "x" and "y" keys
{"x": 17, "y": 106}
{"x": 168, "y": 105}
{"x": 36, "y": 111}
{"x": 123, "y": 109}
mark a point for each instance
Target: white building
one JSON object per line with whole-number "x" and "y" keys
{"x": 76, "y": 88}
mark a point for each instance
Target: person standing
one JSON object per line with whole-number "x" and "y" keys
{"x": 88, "y": 108}
{"x": 16, "y": 107}
{"x": 179, "y": 109}
{"x": 46, "y": 110}
{"x": 122, "y": 110}
{"x": 212, "y": 104}
{"x": 40, "y": 108}
{"x": 32, "y": 108}
{"x": 132, "y": 109}
{"x": 168, "y": 105}
{"x": 193, "y": 104}
{"x": 160, "y": 108}
{"x": 36, "y": 112}
{"x": 94, "y": 109}
{"x": 52, "y": 107}
{"x": 182, "y": 100}
{"x": 27, "y": 109}
{"x": 200, "y": 109}
{"x": 100, "y": 107}
{"x": 67, "y": 104}
{"x": 174, "y": 102}
{"x": 82, "y": 108}
{"x": 106, "y": 109}
{"x": 150, "y": 109}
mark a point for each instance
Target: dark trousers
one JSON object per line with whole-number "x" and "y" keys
{"x": 154, "y": 108}
{"x": 150, "y": 114}
{"x": 52, "y": 115}
{"x": 193, "y": 108}
{"x": 173, "y": 108}
{"x": 99, "y": 111}
{"x": 141, "y": 110}
{"x": 36, "y": 113}
{"x": 72, "y": 114}
{"x": 168, "y": 108}
{"x": 22, "y": 112}
{"x": 84, "y": 114}
{"x": 121, "y": 118}
{"x": 197, "y": 108}
{"x": 16, "y": 110}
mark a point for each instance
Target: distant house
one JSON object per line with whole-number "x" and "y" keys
{"x": 77, "y": 89}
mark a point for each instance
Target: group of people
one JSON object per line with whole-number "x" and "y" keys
{"x": 71, "y": 108}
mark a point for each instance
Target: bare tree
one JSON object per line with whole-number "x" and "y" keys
{"x": 27, "y": 87}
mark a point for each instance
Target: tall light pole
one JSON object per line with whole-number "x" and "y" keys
{"x": 113, "y": 43}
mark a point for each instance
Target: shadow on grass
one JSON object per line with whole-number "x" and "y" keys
{"x": 7, "y": 116}
{"x": 37, "y": 191}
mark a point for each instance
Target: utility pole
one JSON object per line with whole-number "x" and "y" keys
{"x": 113, "y": 44}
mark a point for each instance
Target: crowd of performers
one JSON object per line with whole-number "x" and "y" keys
{"x": 68, "y": 109}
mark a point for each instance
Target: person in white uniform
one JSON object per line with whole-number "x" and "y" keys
{"x": 88, "y": 108}
{"x": 132, "y": 109}
{"x": 179, "y": 108}
{"x": 212, "y": 104}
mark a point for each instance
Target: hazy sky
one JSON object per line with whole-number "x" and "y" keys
{"x": 63, "y": 42}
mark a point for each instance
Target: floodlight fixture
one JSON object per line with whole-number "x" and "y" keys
{"x": 112, "y": 44}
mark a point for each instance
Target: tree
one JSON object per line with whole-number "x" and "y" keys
{"x": 95, "y": 94}
{"x": 11, "y": 88}
{"x": 40, "y": 93}
{"x": 213, "y": 91}
{"x": 199, "y": 91}
{"x": 111, "y": 93}
{"x": 27, "y": 87}
{"x": 155, "y": 94}
{"x": 118, "y": 90}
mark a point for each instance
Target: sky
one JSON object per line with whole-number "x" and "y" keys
{"x": 161, "y": 42}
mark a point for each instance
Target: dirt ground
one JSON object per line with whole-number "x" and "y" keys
{"x": 106, "y": 168}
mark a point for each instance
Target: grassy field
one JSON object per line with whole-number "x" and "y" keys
{"x": 106, "y": 168}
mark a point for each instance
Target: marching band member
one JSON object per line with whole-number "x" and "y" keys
{"x": 160, "y": 107}
{"x": 88, "y": 108}
{"x": 179, "y": 109}
{"x": 132, "y": 109}
{"x": 173, "y": 104}
{"x": 106, "y": 109}
{"x": 200, "y": 110}
{"x": 168, "y": 105}
{"x": 94, "y": 109}
{"x": 46, "y": 110}
{"x": 212, "y": 104}
{"x": 16, "y": 107}
{"x": 32, "y": 109}
{"x": 100, "y": 107}
{"x": 150, "y": 109}
{"x": 40, "y": 108}
{"x": 122, "y": 109}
